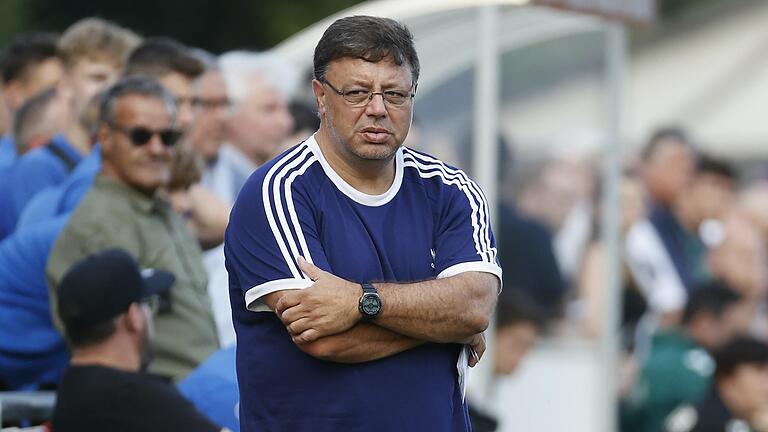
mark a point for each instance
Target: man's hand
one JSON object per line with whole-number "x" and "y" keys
{"x": 476, "y": 345}
{"x": 326, "y": 308}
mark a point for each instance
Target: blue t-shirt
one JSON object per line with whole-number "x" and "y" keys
{"x": 62, "y": 198}
{"x": 212, "y": 388}
{"x": 432, "y": 223}
{"x": 7, "y": 150}
{"x": 33, "y": 172}
{"x": 32, "y": 351}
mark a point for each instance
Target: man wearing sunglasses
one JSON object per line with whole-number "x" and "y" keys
{"x": 362, "y": 273}
{"x": 125, "y": 208}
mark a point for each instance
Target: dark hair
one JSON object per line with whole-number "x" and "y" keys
{"x": 31, "y": 113}
{"x": 134, "y": 85}
{"x": 742, "y": 350}
{"x": 713, "y": 298}
{"x": 369, "y": 38}
{"x": 25, "y": 51}
{"x": 83, "y": 336}
{"x": 304, "y": 117}
{"x": 662, "y": 135}
{"x": 710, "y": 165}
{"x": 160, "y": 56}
{"x": 516, "y": 308}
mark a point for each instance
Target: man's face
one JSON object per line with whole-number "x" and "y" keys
{"x": 375, "y": 130}
{"x": 713, "y": 195}
{"x": 669, "y": 171}
{"x": 261, "y": 122}
{"x": 87, "y": 78}
{"x": 142, "y": 167}
{"x": 740, "y": 260}
{"x": 211, "y": 107}
{"x": 512, "y": 343}
{"x": 37, "y": 78}
{"x": 181, "y": 88}
{"x": 750, "y": 382}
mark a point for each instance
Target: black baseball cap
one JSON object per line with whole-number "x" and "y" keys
{"x": 103, "y": 285}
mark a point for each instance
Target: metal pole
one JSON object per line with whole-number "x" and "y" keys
{"x": 609, "y": 343}
{"x": 485, "y": 152}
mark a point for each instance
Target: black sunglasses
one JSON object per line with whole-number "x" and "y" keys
{"x": 140, "y": 136}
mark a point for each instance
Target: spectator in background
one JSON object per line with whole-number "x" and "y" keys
{"x": 738, "y": 400}
{"x": 105, "y": 304}
{"x": 174, "y": 65}
{"x": 40, "y": 118}
{"x": 30, "y": 64}
{"x": 259, "y": 85}
{"x": 517, "y": 327}
{"x": 305, "y": 123}
{"x": 123, "y": 209}
{"x": 211, "y": 108}
{"x": 93, "y": 52}
{"x": 655, "y": 245}
{"x": 679, "y": 367}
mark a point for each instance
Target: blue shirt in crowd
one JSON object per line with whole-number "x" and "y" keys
{"x": 212, "y": 388}
{"x": 432, "y": 223}
{"x": 7, "y": 151}
{"x": 32, "y": 352}
{"x": 33, "y": 172}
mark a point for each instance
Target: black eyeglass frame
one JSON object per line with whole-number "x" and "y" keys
{"x": 365, "y": 101}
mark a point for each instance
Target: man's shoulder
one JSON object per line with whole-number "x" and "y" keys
{"x": 433, "y": 173}
{"x": 290, "y": 168}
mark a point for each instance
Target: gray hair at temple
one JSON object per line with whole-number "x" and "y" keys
{"x": 369, "y": 38}
{"x": 134, "y": 85}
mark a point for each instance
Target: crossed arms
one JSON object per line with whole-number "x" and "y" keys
{"x": 324, "y": 320}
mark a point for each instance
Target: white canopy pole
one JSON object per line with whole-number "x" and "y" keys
{"x": 609, "y": 343}
{"x": 485, "y": 152}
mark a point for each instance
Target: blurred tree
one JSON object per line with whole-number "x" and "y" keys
{"x": 214, "y": 25}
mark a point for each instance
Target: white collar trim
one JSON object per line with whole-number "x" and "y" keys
{"x": 351, "y": 192}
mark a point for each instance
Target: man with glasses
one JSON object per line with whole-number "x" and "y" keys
{"x": 106, "y": 304}
{"x": 126, "y": 209}
{"x": 362, "y": 273}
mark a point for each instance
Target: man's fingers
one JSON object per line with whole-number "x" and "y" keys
{"x": 298, "y": 327}
{"x": 310, "y": 270}
{"x": 288, "y": 300}
{"x": 307, "y": 336}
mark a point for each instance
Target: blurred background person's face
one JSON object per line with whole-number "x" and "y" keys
{"x": 211, "y": 108}
{"x": 180, "y": 87}
{"x": 38, "y": 77}
{"x": 747, "y": 390}
{"x": 668, "y": 171}
{"x": 260, "y": 123}
{"x": 740, "y": 259}
{"x": 86, "y": 78}
{"x": 142, "y": 167}
{"x": 713, "y": 194}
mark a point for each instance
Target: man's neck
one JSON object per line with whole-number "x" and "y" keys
{"x": 373, "y": 177}
{"x": 78, "y": 137}
{"x": 108, "y": 356}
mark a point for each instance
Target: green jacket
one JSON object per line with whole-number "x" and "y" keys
{"x": 114, "y": 215}
{"x": 677, "y": 371}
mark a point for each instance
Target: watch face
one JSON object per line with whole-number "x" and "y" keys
{"x": 370, "y": 304}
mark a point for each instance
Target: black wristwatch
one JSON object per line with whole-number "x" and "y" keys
{"x": 369, "y": 303}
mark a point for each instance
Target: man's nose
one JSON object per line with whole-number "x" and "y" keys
{"x": 376, "y": 106}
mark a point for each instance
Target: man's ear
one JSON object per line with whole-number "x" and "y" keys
{"x": 319, "y": 91}
{"x": 134, "y": 318}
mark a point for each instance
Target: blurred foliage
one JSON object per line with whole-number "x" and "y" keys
{"x": 213, "y": 25}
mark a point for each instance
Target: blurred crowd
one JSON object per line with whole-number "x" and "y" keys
{"x": 111, "y": 140}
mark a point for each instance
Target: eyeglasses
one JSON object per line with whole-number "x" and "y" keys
{"x": 140, "y": 136}
{"x": 359, "y": 97}
{"x": 211, "y": 103}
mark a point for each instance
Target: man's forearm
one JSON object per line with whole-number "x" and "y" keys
{"x": 444, "y": 310}
{"x": 361, "y": 343}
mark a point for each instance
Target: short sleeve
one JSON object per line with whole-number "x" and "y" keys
{"x": 653, "y": 270}
{"x": 271, "y": 225}
{"x": 464, "y": 240}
